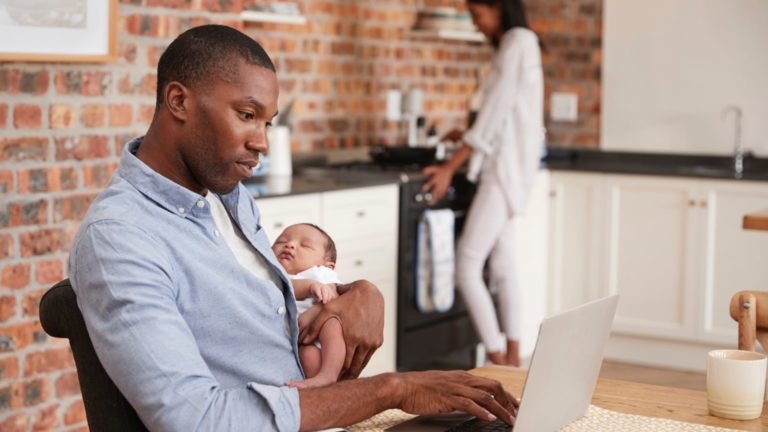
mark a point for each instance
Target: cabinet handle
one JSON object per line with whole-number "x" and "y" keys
{"x": 358, "y": 263}
{"x": 553, "y": 194}
{"x": 703, "y": 204}
{"x": 361, "y": 213}
{"x": 278, "y": 225}
{"x": 692, "y": 203}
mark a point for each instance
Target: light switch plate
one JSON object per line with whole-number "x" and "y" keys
{"x": 564, "y": 107}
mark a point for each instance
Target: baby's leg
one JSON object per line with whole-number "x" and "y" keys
{"x": 331, "y": 355}
{"x": 310, "y": 359}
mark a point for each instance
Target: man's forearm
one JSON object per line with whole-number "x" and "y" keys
{"x": 347, "y": 402}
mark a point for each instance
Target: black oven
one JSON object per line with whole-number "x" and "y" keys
{"x": 437, "y": 340}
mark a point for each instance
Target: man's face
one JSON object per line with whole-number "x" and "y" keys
{"x": 300, "y": 247}
{"x": 228, "y": 126}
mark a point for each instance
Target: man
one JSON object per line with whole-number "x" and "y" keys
{"x": 187, "y": 307}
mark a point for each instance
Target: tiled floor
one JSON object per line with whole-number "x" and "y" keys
{"x": 651, "y": 375}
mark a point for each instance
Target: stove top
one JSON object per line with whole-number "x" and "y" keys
{"x": 380, "y": 166}
{"x": 407, "y": 172}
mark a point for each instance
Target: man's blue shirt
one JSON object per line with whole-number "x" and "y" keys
{"x": 192, "y": 339}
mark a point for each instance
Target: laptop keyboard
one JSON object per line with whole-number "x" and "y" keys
{"x": 477, "y": 425}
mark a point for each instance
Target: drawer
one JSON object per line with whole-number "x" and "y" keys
{"x": 374, "y": 259}
{"x": 358, "y": 213}
{"x": 280, "y": 212}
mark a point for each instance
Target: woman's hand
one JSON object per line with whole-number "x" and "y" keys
{"x": 440, "y": 177}
{"x": 454, "y": 135}
{"x": 361, "y": 313}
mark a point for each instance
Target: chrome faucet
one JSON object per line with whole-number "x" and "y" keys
{"x": 738, "y": 148}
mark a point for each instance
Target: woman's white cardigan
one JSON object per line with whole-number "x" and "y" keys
{"x": 508, "y": 134}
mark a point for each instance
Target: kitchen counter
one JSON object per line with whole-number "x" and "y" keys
{"x": 316, "y": 180}
{"x": 317, "y": 177}
{"x": 677, "y": 165}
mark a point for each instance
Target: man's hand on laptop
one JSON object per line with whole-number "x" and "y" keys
{"x": 438, "y": 392}
{"x": 360, "y": 309}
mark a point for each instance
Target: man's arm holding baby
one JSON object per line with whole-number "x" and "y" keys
{"x": 360, "y": 309}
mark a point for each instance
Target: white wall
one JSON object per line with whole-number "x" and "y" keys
{"x": 670, "y": 68}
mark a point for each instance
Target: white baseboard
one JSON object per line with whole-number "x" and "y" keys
{"x": 660, "y": 353}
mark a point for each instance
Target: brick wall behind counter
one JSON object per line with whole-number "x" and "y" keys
{"x": 62, "y": 127}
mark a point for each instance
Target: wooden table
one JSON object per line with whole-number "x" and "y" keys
{"x": 640, "y": 399}
{"x": 756, "y": 221}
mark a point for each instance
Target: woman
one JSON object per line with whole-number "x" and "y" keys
{"x": 505, "y": 144}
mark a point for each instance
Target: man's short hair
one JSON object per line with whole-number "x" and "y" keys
{"x": 330, "y": 245}
{"x": 202, "y": 53}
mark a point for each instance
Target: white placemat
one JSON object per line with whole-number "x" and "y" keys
{"x": 597, "y": 420}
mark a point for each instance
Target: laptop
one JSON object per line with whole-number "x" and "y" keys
{"x": 561, "y": 378}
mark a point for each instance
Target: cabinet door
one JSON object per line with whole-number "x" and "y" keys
{"x": 575, "y": 223}
{"x": 279, "y": 212}
{"x": 651, "y": 227}
{"x": 364, "y": 224}
{"x": 362, "y": 212}
{"x": 385, "y": 358}
{"x": 733, "y": 259}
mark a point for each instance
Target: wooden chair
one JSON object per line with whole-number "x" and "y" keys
{"x": 750, "y": 309}
{"x": 105, "y": 407}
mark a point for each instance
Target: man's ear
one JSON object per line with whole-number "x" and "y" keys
{"x": 331, "y": 265}
{"x": 177, "y": 97}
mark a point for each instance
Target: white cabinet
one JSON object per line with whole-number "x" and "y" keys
{"x": 280, "y": 212}
{"x": 363, "y": 224}
{"x": 649, "y": 255}
{"x": 673, "y": 248}
{"x": 731, "y": 258}
{"x": 575, "y": 236}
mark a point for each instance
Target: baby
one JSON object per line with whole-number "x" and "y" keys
{"x": 308, "y": 255}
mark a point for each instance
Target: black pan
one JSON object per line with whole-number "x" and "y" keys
{"x": 402, "y": 155}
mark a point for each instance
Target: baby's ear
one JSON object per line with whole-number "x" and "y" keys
{"x": 331, "y": 265}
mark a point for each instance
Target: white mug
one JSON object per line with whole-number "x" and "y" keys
{"x": 736, "y": 384}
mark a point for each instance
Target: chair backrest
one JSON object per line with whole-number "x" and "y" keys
{"x": 750, "y": 309}
{"x": 105, "y": 407}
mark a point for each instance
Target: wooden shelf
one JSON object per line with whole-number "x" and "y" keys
{"x": 270, "y": 17}
{"x": 457, "y": 35}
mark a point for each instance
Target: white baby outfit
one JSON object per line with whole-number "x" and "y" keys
{"x": 319, "y": 273}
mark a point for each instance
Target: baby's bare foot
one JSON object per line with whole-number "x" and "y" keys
{"x": 316, "y": 381}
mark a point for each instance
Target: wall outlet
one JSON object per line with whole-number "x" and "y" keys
{"x": 564, "y": 107}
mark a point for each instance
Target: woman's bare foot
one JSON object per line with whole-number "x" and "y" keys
{"x": 497, "y": 358}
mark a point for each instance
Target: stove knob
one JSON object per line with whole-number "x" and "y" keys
{"x": 428, "y": 196}
{"x": 418, "y": 198}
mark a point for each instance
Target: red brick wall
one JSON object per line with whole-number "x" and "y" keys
{"x": 62, "y": 127}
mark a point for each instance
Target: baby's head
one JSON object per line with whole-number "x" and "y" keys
{"x": 303, "y": 246}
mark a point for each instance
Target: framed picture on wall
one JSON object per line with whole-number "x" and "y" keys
{"x": 58, "y": 30}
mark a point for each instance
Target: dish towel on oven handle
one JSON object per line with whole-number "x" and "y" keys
{"x": 435, "y": 261}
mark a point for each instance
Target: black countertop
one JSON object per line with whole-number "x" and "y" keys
{"x": 315, "y": 181}
{"x": 677, "y": 165}
{"x": 319, "y": 178}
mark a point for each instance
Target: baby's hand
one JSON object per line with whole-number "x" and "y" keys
{"x": 323, "y": 292}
